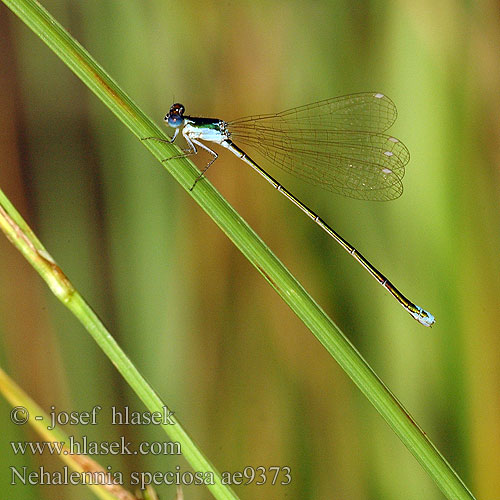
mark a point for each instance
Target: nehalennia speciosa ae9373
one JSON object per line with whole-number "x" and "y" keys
{"x": 339, "y": 144}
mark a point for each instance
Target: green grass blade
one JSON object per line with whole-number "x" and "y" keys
{"x": 249, "y": 243}
{"x": 19, "y": 233}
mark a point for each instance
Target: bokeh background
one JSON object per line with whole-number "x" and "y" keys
{"x": 249, "y": 382}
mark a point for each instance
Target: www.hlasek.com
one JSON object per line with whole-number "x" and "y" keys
{"x": 84, "y": 446}
{"x": 274, "y": 475}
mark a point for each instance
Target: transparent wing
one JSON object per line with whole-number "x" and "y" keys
{"x": 337, "y": 144}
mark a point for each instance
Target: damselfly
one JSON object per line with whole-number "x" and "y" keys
{"x": 338, "y": 144}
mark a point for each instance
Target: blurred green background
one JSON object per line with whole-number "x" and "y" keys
{"x": 249, "y": 382}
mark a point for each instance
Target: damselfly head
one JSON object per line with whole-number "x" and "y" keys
{"x": 175, "y": 116}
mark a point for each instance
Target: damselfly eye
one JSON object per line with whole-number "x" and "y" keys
{"x": 174, "y": 117}
{"x": 176, "y": 109}
{"x": 174, "y": 120}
